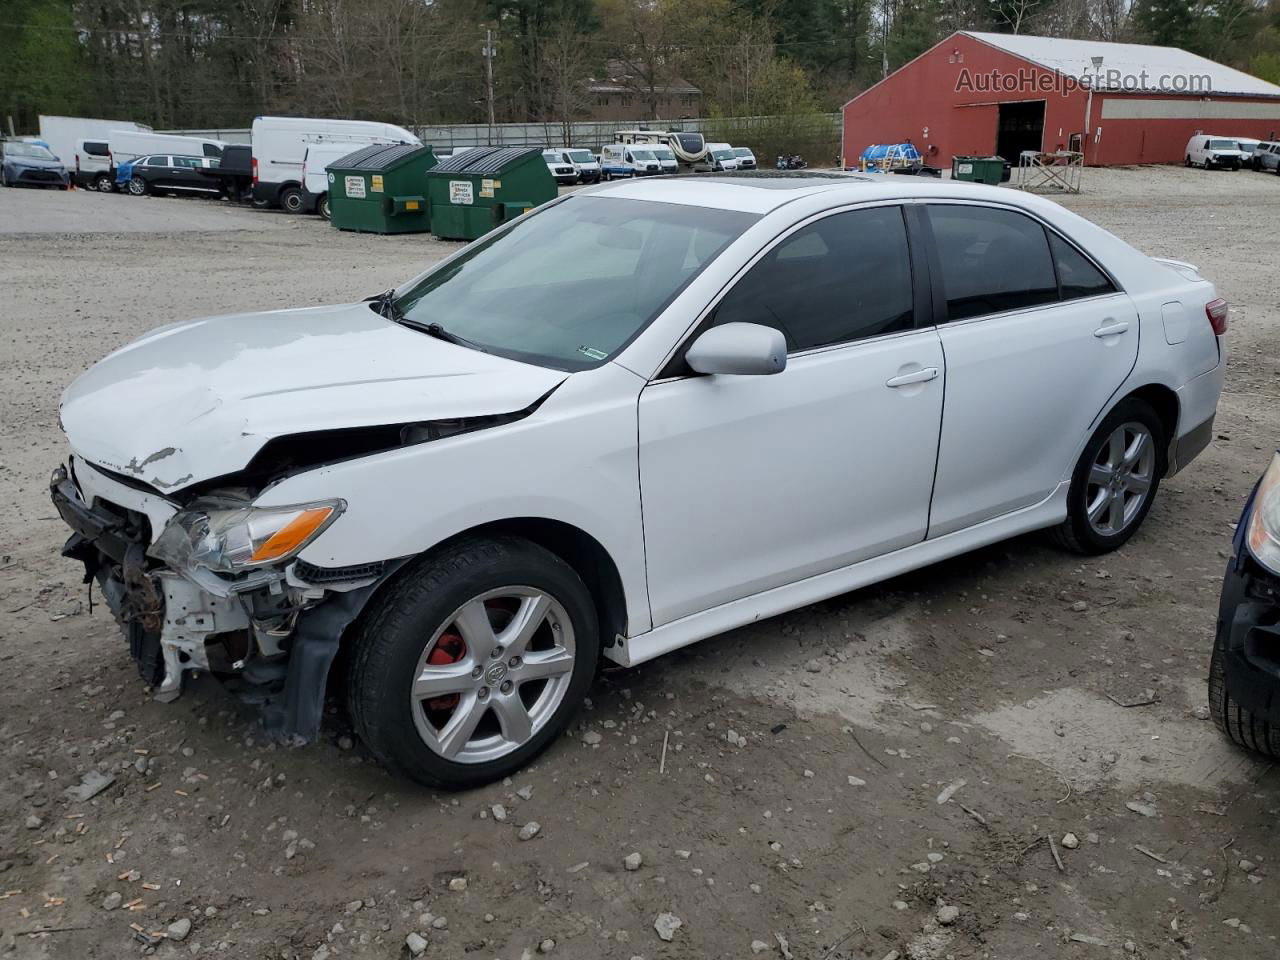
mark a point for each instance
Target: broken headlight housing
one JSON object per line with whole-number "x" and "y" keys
{"x": 229, "y": 536}
{"x": 1262, "y": 533}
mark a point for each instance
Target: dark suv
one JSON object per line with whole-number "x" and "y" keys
{"x": 167, "y": 173}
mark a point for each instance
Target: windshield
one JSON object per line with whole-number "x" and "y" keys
{"x": 741, "y": 152}
{"x": 28, "y": 150}
{"x": 553, "y": 155}
{"x": 663, "y": 153}
{"x": 569, "y": 286}
{"x": 1223, "y": 145}
{"x": 645, "y": 156}
{"x": 722, "y": 154}
{"x": 581, "y": 156}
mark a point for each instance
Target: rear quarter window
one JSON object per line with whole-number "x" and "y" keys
{"x": 95, "y": 148}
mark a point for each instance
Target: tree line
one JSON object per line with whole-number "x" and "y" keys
{"x": 219, "y": 63}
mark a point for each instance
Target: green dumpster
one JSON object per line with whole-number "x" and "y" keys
{"x": 381, "y": 188}
{"x": 476, "y": 190}
{"x": 989, "y": 170}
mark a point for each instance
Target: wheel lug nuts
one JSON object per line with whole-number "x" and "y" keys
{"x": 476, "y": 673}
{"x": 497, "y": 652}
{"x": 484, "y": 693}
{"x": 506, "y": 687}
{"x": 515, "y": 662}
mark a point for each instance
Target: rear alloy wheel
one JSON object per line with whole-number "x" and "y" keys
{"x": 322, "y": 206}
{"x": 103, "y": 183}
{"x": 291, "y": 200}
{"x": 1115, "y": 480}
{"x": 473, "y": 661}
{"x": 137, "y": 187}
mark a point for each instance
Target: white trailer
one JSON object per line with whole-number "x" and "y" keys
{"x": 126, "y": 145}
{"x": 62, "y": 133}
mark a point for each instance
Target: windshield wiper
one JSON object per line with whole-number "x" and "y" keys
{"x": 385, "y": 304}
{"x": 439, "y": 332}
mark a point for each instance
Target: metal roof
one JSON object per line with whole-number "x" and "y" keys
{"x": 485, "y": 160}
{"x": 378, "y": 156}
{"x": 1132, "y": 67}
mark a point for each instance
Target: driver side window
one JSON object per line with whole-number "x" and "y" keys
{"x": 843, "y": 278}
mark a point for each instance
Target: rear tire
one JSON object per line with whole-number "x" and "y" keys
{"x": 1110, "y": 496}
{"x": 1241, "y": 726}
{"x": 322, "y": 206}
{"x": 138, "y": 187}
{"x": 443, "y": 623}
{"x": 103, "y": 183}
{"x": 291, "y": 200}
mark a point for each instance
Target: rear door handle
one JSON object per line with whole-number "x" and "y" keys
{"x": 923, "y": 375}
{"x": 1112, "y": 328}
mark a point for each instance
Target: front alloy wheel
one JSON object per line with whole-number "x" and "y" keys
{"x": 472, "y": 660}
{"x": 493, "y": 675}
{"x": 137, "y": 187}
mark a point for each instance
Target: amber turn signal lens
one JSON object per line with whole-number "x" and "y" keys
{"x": 289, "y": 537}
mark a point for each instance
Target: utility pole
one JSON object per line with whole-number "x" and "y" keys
{"x": 488, "y": 52}
{"x": 884, "y": 39}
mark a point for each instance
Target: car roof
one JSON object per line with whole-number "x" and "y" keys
{"x": 762, "y": 191}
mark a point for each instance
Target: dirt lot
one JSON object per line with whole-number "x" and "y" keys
{"x": 816, "y": 829}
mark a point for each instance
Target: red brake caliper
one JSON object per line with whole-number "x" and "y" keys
{"x": 448, "y": 649}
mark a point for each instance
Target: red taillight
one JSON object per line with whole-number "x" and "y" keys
{"x": 255, "y": 171}
{"x": 1216, "y": 311}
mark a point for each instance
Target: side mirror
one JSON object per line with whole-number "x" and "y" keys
{"x": 741, "y": 349}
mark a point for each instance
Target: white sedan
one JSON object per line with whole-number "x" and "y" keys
{"x": 640, "y": 416}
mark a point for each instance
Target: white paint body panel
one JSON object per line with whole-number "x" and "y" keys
{"x": 771, "y": 479}
{"x": 751, "y": 495}
{"x": 1023, "y": 388}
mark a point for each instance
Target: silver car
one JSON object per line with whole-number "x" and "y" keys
{"x": 1266, "y": 156}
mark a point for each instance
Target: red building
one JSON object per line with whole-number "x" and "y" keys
{"x": 994, "y": 93}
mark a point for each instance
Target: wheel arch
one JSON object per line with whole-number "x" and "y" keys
{"x": 580, "y": 550}
{"x": 1164, "y": 401}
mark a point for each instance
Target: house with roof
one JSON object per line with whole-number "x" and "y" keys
{"x": 634, "y": 90}
{"x": 1117, "y": 103}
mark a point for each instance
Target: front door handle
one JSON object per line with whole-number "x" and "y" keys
{"x": 923, "y": 375}
{"x": 1112, "y": 328}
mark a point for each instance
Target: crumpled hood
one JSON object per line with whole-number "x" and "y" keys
{"x": 198, "y": 399}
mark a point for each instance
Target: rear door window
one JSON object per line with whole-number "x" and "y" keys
{"x": 992, "y": 260}
{"x": 95, "y": 148}
{"x": 1077, "y": 276}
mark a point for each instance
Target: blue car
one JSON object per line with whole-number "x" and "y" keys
{"x": 1244, "y": 672}
{"x": 31, "y": 164}
{"x": 124, "y": 173}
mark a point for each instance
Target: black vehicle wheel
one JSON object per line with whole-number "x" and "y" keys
{"x": 322, "y": 206}
{"x": 291, "y": 200}
{"x": 1116, "y": 479}
{"x": 606, "y": 176}
{"x": 469, "y": 664}
{"x": 1242, "y": 726}
{"x": 137, "y": 187}
{"x": 1187, "y": 162}
{"x": 103, "y": 183}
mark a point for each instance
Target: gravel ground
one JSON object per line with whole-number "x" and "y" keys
{"x": 892, "y": 770}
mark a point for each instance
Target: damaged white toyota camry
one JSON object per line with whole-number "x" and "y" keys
{"x": 637, "y": 417}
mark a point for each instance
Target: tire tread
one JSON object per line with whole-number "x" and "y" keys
{"x": 1241, "y": 726}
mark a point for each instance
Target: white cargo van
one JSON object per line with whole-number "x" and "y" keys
{"x": 1206, "y": 150}
{"x": 126, "y": 145}
{"x": 315, "y": 174}
{"x": 92, "y": 167}
{"x": 280, "y": 145}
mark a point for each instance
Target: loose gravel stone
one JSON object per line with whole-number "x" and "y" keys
{"x": 632, "y": 861}
{"x": 178, "y": 930}
{"x": 416, "y": 943}
{"x": 947, "y": 915}
{"x": 112, "y": 900}
{"x": 530, "y": 830}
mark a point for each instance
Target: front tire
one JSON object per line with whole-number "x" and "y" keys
{"x": 469, "y": 664}
{"x": 1242, "y": 726}
{"x": 322, "y": 206}
{"x": 137, "y": 187}
{"x": 103, "y": 183}
{"x": 1115, "y": 480}
{"x": 291, "y": 200}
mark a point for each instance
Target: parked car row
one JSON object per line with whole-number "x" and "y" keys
{"x": 1231, "y": 153}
